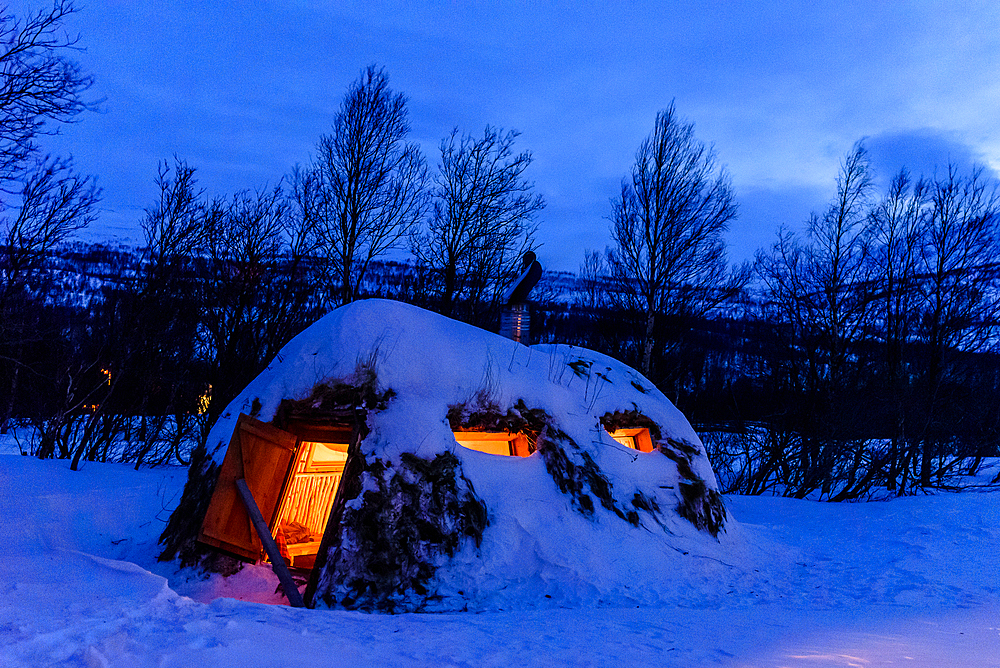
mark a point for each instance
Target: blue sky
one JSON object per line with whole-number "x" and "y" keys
{"x": 242, "y": 91}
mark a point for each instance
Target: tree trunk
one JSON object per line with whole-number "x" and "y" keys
{"x": 9, "y": 408}
{"x": 448, "y": 296}
{"x": 647, "y": 348}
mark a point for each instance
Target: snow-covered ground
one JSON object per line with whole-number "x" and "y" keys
{"x": 909, "y": 582}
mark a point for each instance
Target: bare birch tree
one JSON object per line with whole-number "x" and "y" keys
{"x": 668, "y": 258}
{"x": 820, "y": 290}
{"x": 898, "y": 223}
{"x": 370, "y": 183}
{"x": 43, "y": 201}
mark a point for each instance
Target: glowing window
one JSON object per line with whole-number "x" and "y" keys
{"x": 637, "y": 438}
{"x": 326, "y": 455}
{"x": 494, "y": 443}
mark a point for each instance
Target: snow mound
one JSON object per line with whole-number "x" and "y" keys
{"x": 432, "y": 525}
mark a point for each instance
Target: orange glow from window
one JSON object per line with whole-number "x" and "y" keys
{"x": 494, "y": 443}
{"x": 637, "y": 438}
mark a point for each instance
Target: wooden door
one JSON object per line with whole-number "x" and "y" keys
{"x": 262, "y": 455}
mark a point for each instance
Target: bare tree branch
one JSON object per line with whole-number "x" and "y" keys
{"x": 667, "y": 226}
{"x": 482, "y": 219}
{"x": 38, "y": 83}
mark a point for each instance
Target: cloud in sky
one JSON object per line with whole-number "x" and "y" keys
{"x": 781, "y": 89}
{"x": 922, "y": 152}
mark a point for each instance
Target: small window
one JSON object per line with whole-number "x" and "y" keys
{"x": 637, "y": 438}
{"x": 325, "y": 456}
{"x": 494, "y": 443}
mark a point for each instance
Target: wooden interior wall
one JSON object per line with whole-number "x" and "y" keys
{"x": 308, "y": 498}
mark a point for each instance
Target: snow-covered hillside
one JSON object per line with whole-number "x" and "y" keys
{"x": 909, "y": 582}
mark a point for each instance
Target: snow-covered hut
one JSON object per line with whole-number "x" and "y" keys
{"x": 411, "y": 462}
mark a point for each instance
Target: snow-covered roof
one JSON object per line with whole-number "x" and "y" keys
{"x": 432, "y": 362}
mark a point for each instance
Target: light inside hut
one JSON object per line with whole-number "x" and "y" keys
{"x": 512, "y": 444}
{"x": 294, "y": 475}
{"x": 305, "y": 506}
{"x": 637, "y": 438}
{"x": 326, "y": 455}
{"x": 515, "y": 322}
{"x": 494, "y": 443}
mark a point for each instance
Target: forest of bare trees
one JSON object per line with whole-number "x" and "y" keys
{"x": 855, "y": 357}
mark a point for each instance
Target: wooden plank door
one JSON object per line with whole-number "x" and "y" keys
{"x": 262, "y": 455}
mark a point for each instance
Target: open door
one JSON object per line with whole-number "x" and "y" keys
{"x": 262, "y": 455}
